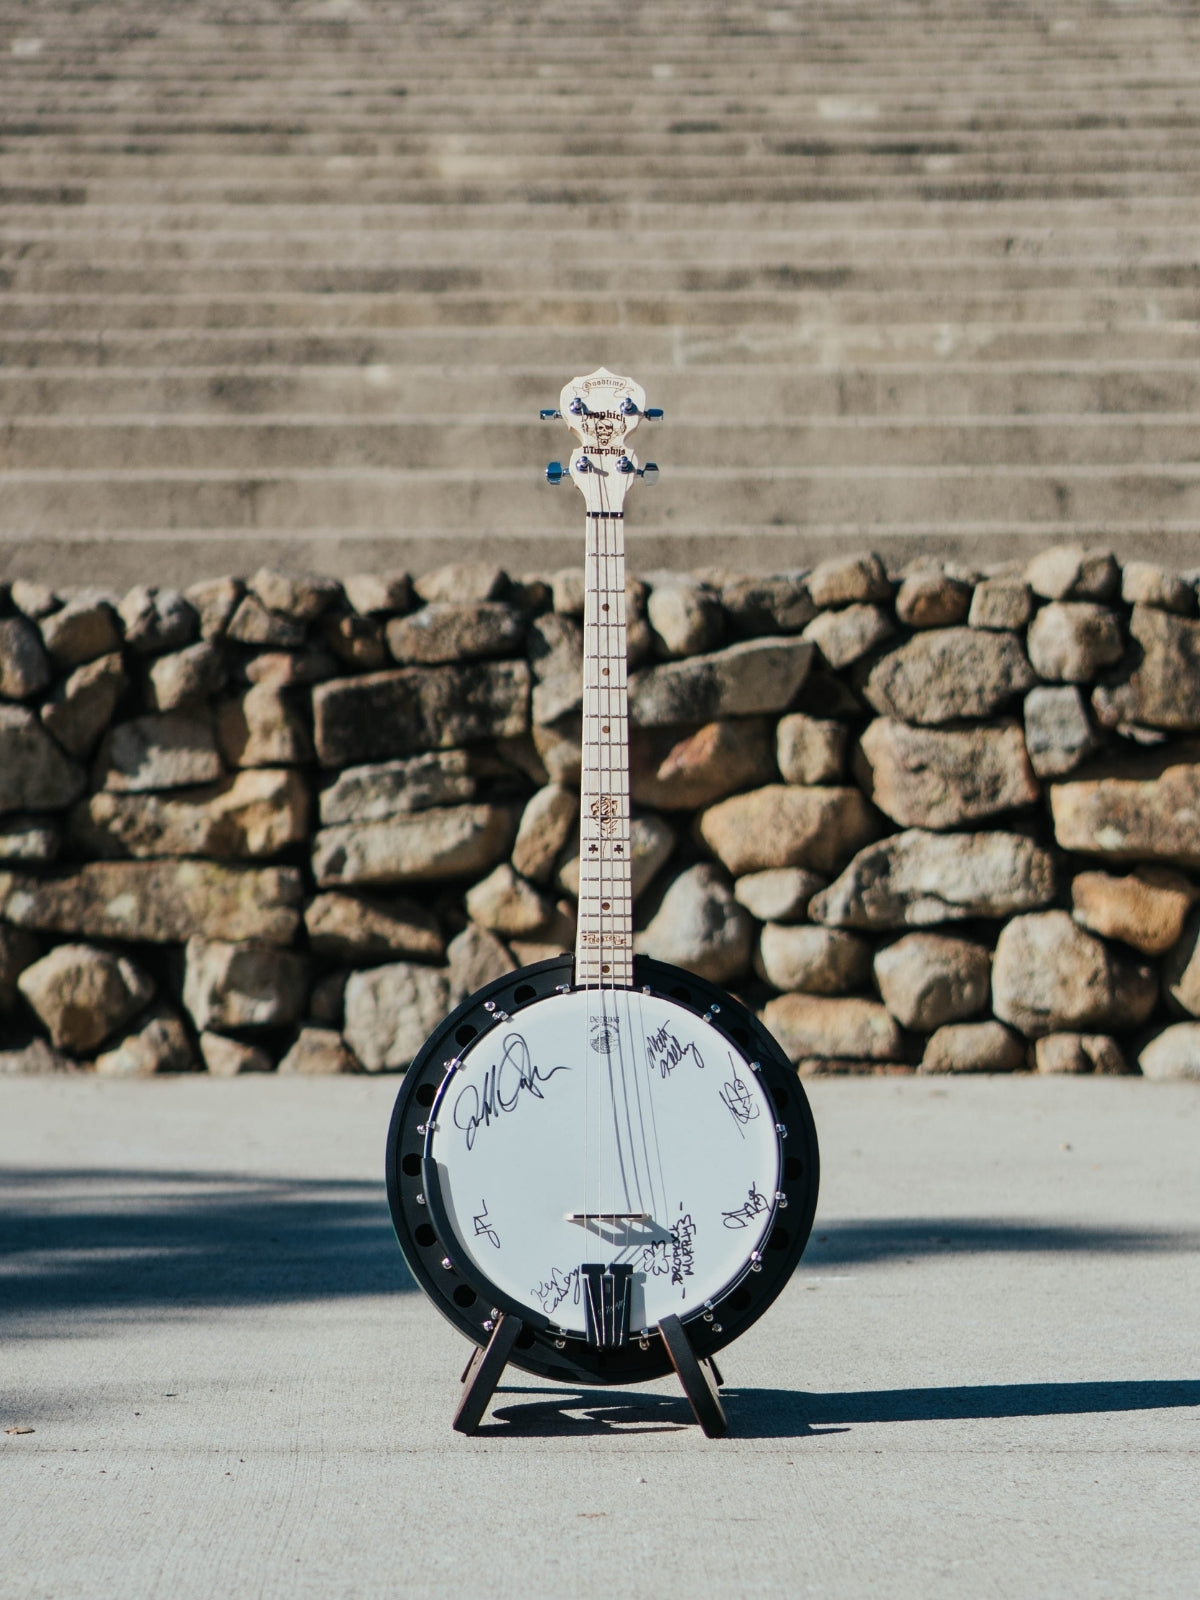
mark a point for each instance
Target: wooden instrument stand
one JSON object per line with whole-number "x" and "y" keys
{"x": 701, "y": 1379}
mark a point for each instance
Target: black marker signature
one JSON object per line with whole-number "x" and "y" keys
{"x": 483, "y": 1227}
{"x": 551, "y": 1294}
{"x": 683, "y": 1254}
{"x": 502, "y": 1086}
{"x": 754, "y": 1205}
{"x": 739, "y": 1100}
{"x": 675, "y": 1254}
{"x": 664, "y": 1051}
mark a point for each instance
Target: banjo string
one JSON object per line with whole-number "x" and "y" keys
{"x": 646, "y": 1202}
{"x": 603, "y": 699}
{"x": 614, "y": 924}
{"x": 608, "y": 799}
{"x": 608, "y": 919}
{"x": 601, "y": 750}
{"x": 590, "y": 697}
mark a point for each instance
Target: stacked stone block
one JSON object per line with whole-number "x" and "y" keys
{"x": 939, "y": 820}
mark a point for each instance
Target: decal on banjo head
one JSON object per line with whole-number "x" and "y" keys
{"x": 576, "y": 1168}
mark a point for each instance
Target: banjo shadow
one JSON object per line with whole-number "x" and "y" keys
{"x": 584, "y": 1413}
{"x": 800, "y": 1414}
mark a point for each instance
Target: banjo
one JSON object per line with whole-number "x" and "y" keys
{"x": 601, "y": 1168}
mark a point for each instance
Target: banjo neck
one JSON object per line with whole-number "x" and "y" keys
{"x": 602, "y": 410}
{"x": 604, "y": 946}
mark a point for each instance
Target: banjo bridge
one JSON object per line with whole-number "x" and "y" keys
{"x": 606, "y": 1216}
{"x": 607, "y": 1303}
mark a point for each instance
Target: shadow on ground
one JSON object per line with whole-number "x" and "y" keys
{"x": 113, "y": 1241}
{"x": 795, "y": 1414}
{"x": 860, "y": 1242}
{"x": 119, "y": 1241}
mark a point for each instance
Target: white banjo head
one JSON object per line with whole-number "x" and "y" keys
{"x": 519, "y": 1157}
{"x": 606, "y": 1126}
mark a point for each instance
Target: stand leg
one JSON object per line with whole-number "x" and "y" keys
{"x": 483, "y": 1374}
{"x": 716, "y": 1372}
{"x": 697, "y": 1383}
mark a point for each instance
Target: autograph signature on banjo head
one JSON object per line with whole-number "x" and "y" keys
{"x": 602, "y": 1167}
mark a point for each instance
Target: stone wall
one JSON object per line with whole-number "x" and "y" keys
{"x": 941, "y": 820}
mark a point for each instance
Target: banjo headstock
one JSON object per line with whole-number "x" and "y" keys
{"x": 602, "y": 411}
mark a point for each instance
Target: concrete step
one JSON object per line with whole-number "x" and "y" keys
{"x": 349, "y": 216}
{"x": 237, "y": 62}
{"x": 880, "y": 74}
{"x": 572, "y": 350}
{"x": 447, "y": 443}
{"x": 396, "y": 314}
{"x": 312, "y": 122}
{"x": 909, "y": 274}
{"x": 903, "y": 122}
{"x": 388, "y": 156}
{"x": 585, "y": 188}
{"x": 118, "y": 559}
{"x": 868, "y": 87}
{"x": 513, "y": 498}
{"x": 480, "y": 54}
{"x": 867, "y": 105}
{"x": 605, "y": 278}
{"x": 158, "y": 242}
{"x": 950, "y": 389}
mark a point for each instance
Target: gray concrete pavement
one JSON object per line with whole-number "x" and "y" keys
{"x": 984, "y": 1380}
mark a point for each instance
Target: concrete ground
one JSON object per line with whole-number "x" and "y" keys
{"x": 983, "y": 1381}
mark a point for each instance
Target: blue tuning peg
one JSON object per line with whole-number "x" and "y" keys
{"x": 554, "y": 472}
{"x": 629, "y": 406}
{"x": 549, "y": 414}
{"x": 625, "y": 465}
{"x": 653, "y": 414}
{"x": 578, "y": 408}
{"x": 649, "y": 472}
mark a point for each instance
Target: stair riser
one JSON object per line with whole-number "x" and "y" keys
{"x": 489, "y": 443}
{"x": 780, "y": 315}
{"x": 570, "y": 351}
{"x": 463, "y": 192}
{"x": 118, "y": 562}
{"x": 605, "y": 281}
{"x": 384, "y": 157}
{"x": 348, "y": 217}
{"x": 509, "y": 501}
{"x": 339, "y": 393}
{"x": 103, "y": 241}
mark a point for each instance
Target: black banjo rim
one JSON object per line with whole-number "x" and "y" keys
{"x": 471, "y": 1302}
